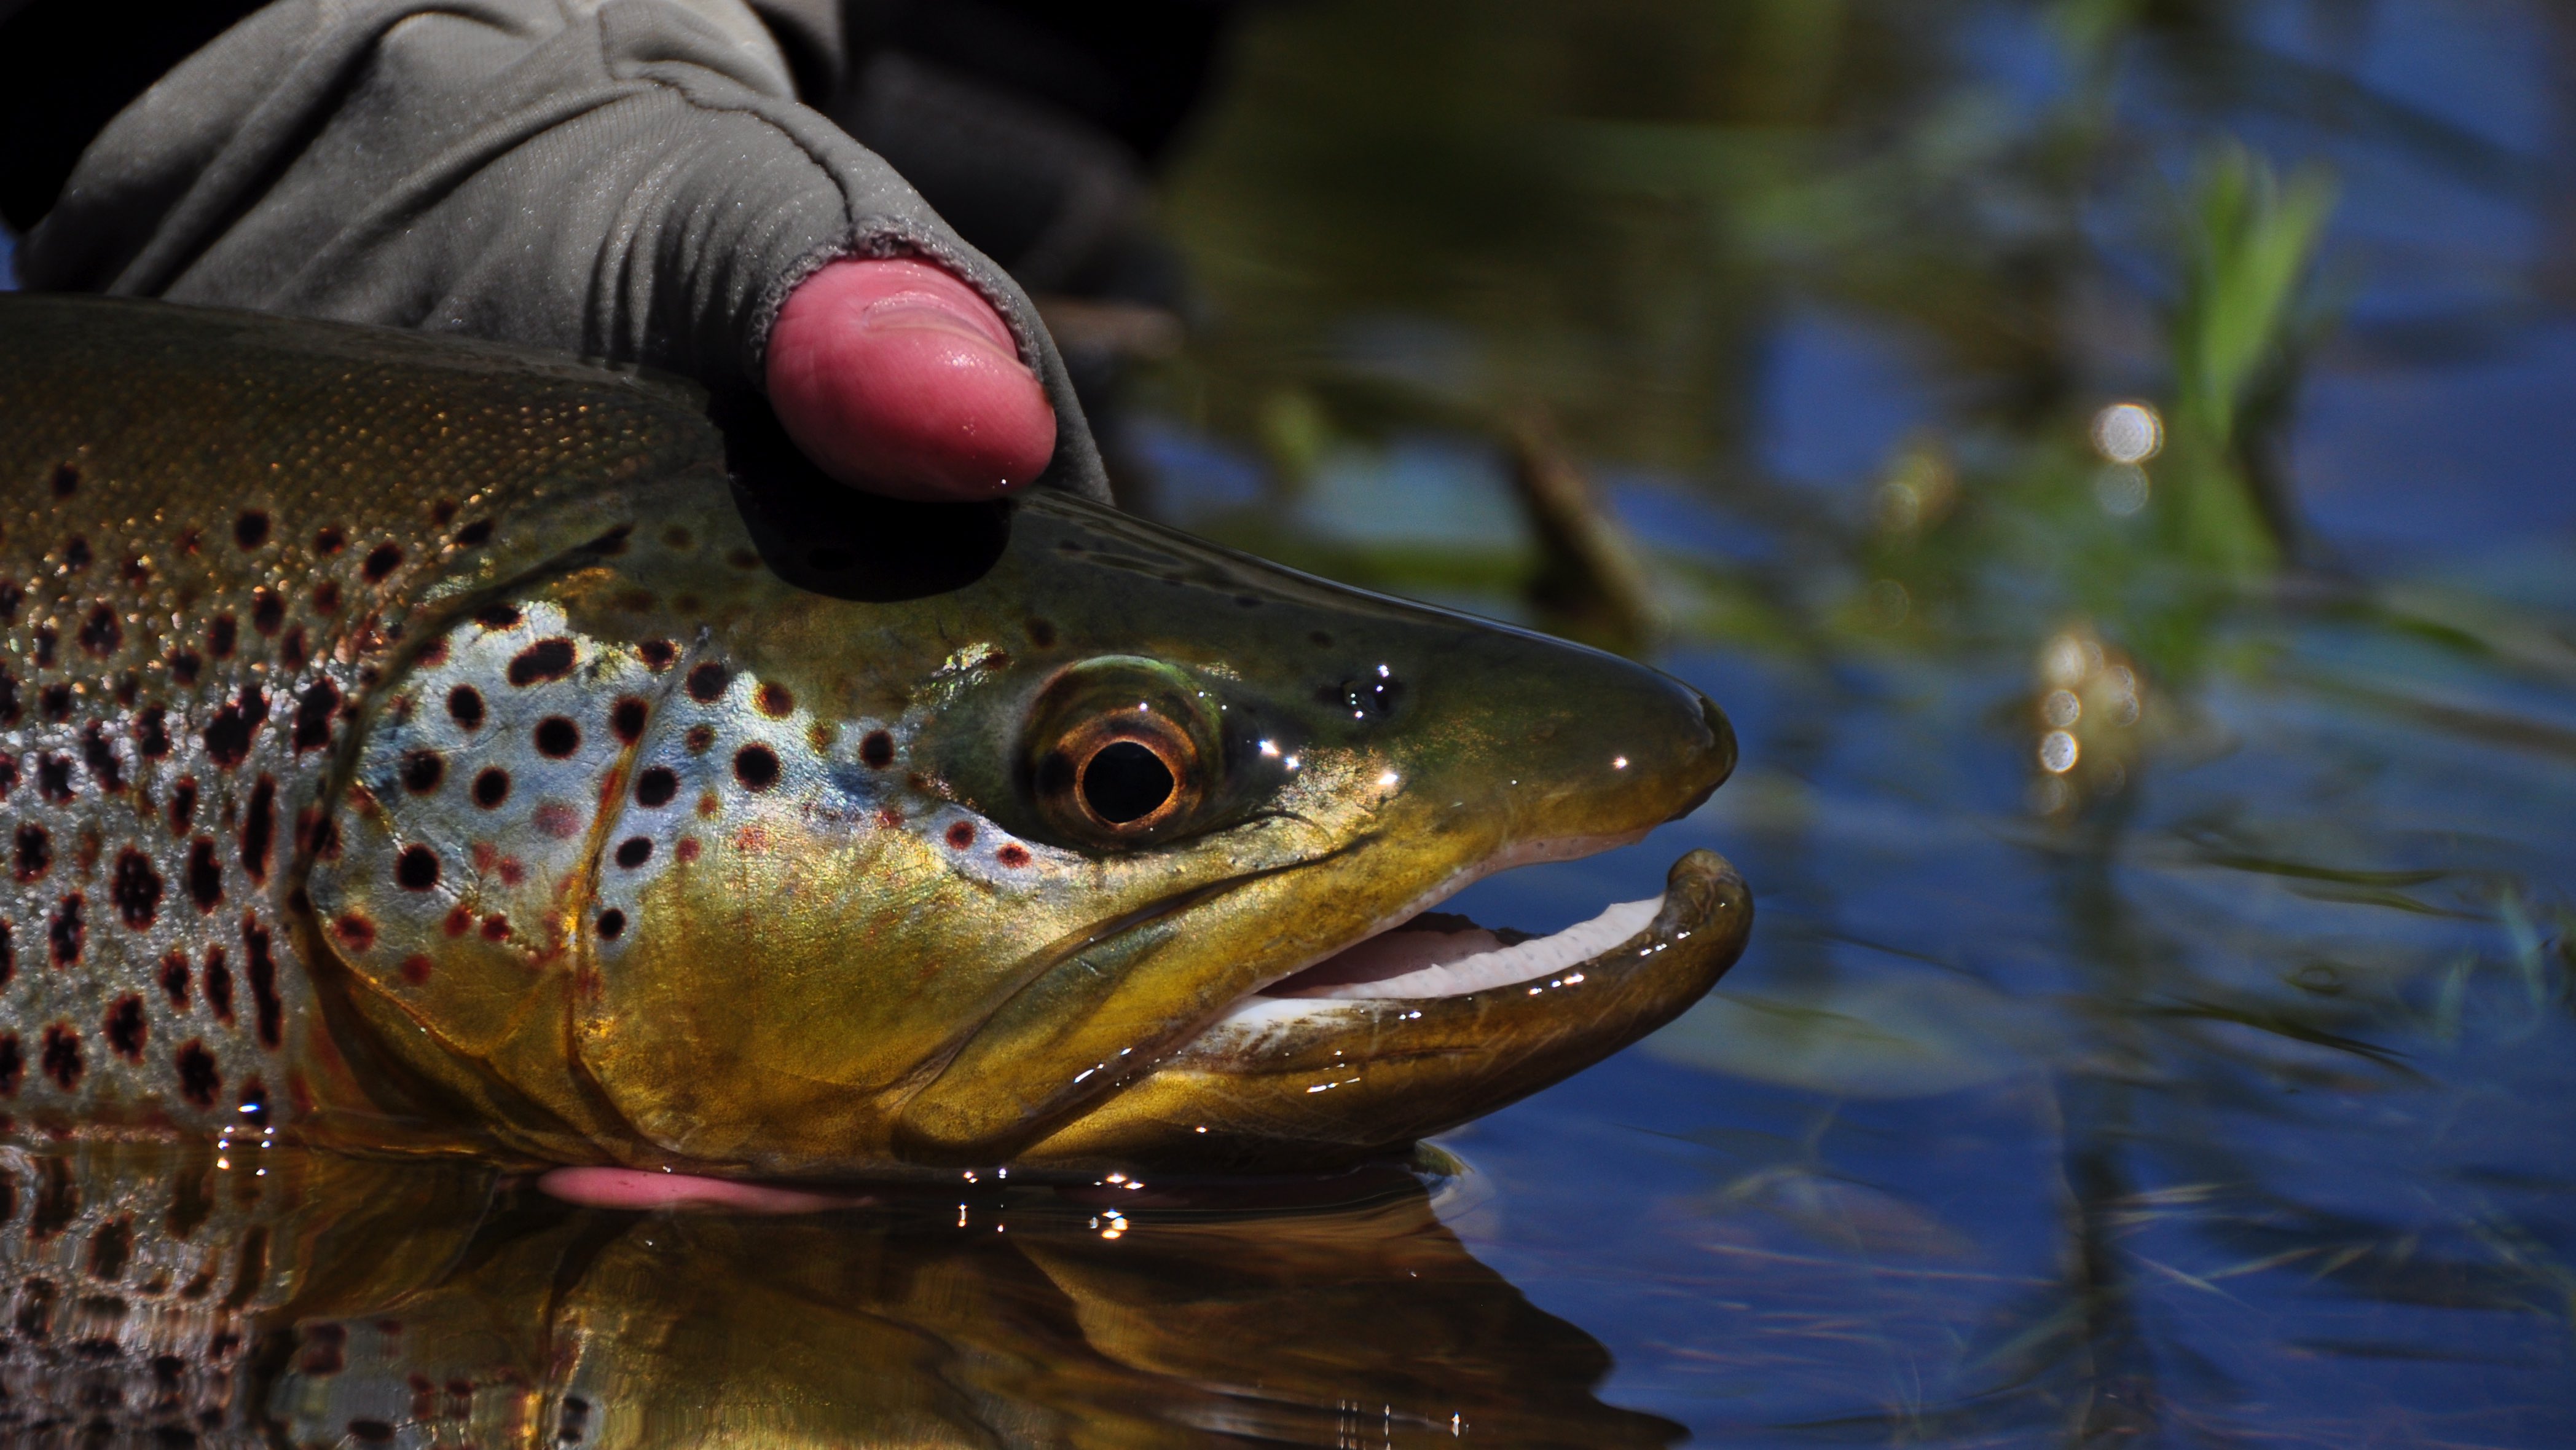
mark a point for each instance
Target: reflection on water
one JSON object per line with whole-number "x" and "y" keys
{"x": 326, "y": 1301}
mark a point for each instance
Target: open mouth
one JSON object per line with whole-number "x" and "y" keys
{"x": 1443, "y": 954}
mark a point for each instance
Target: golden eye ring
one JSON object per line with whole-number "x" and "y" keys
{"x": 1122, "y": 775}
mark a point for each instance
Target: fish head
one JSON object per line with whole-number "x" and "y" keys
{"x": 791, "y": 832}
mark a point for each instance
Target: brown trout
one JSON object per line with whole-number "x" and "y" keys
{"x": 405, "y": 742}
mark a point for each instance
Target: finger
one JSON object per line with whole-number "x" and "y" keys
{"x": 634, "y": 1188}
{"x": 895, "y": 377}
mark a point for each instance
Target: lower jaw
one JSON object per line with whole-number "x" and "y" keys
{"x": 1285, "y": 1084}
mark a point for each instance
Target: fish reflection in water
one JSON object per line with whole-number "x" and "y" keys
{"x": 310, "y": 1299}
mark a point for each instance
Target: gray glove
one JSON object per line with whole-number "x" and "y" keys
{"x": 630, "y": 180}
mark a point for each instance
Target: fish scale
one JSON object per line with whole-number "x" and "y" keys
{"x": 176, "y": 680}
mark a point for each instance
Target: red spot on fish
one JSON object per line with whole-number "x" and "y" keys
{"x": 708, "y": 806}
{"x": 434, "y": 653}
{"x": 355, "y": 931}
{"x": 513, "y": 871}
{"x": 961, "y": 834}
{"x": 415, "y": 968}
{"x": 751, "y": 840}
{"x": 484, "y": 857}
{"x": 1013, "y": 855}
{"x": 556, "y": 819}
{"x": 496, "y": 927}
{"x": 459, "y": 922}
{"x": 687, "y": 850}
{"x": 889, "y": 817}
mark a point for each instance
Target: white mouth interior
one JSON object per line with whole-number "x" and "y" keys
{"x": 1441, "y": 955}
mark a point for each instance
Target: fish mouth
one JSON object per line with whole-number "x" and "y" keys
{"x": 1415, "y": 1028}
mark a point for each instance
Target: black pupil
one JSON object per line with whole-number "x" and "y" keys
{"x": 1125, "y": 782}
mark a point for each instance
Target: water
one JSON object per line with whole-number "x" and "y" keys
{"x": 2212, "y": 1089}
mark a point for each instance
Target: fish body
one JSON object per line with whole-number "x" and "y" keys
{"x": 414, "y": 743}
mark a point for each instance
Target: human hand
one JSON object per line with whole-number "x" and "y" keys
{"x": 896, "y": 377}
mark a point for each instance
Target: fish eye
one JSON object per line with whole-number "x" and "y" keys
{"x": 1117, "y": 752}
{"x": 1126, "y": 781}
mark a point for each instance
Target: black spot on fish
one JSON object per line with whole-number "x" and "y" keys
{"x": 251, "y": 529}
{"x": 371, "y": 1432}
{"x": 326, "y": 598}
{"x": 422, "y": 771}
{"x": 634, "y": 851}
{"x": 13, "y": 1068}
{"x": 261, "y": 967}
{"x": 1041, "y": 633}
{"x": 68, "y": 933}
{"x": 46, "y": 638}
{"x": 136, "y": 890}
{"x": 267, "y": 611}
{"x": 66, "y": 480}
{"x": 708, "y": 681}
{"x": 61, "y": 1058}
{"x": 11, "y": 596}
{"x": 656, "y": 786}
{"x": 184, "y": 665}
{"x": 101, "y": 760}
{"x": 290, "y": 652}
{"x": 491, "y": 787}
{"x": 55, "y": 702}
{"x": 199, "y": 1078}
{"x": 547, "y": 659}
{"x": 183, "y": 804}
{"x": 556, "y": 737}
{"x": 416, "y": 869}
{"x": 8, "y": 953}
{"x": 124, "y": 1028}
{"x": 658, "y": 654}
{"x": 612, "y": 543}
{"x": 54, "y": 778}
{"x": 497, "y": 616}
{"x": 219, "y": 985}
{"x": 152, "y": 732}
{"x": 102, "y": 633}
{"x": 381, "y": 561}
{"x": 313, "y": 714}
{"x": 612, "y": 924}
{"x": 10, "y": 711}
{"x": 474, "y": 534}
{"x": 259, "y": 829}
{"x": 8, "y": 774}
{"x": 756, "y": 766}
{"x": 465, "y": 707}
{"x": 35, "y": 854}
{"x": 76, "y": 554}
{"x": 111, "y": 1246}
{"x": 877, "y": 750}
{"x": 355, "y": 931}
{"x": 626, "y": 720}
{"x": 228, "y": 738}
{"x": 174, "y": 980}
{"x": 205, "y": 875}
{"x": 329, "y": 540}
{"x": 774, "y": 701}
{"x": 222, "y": 634}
